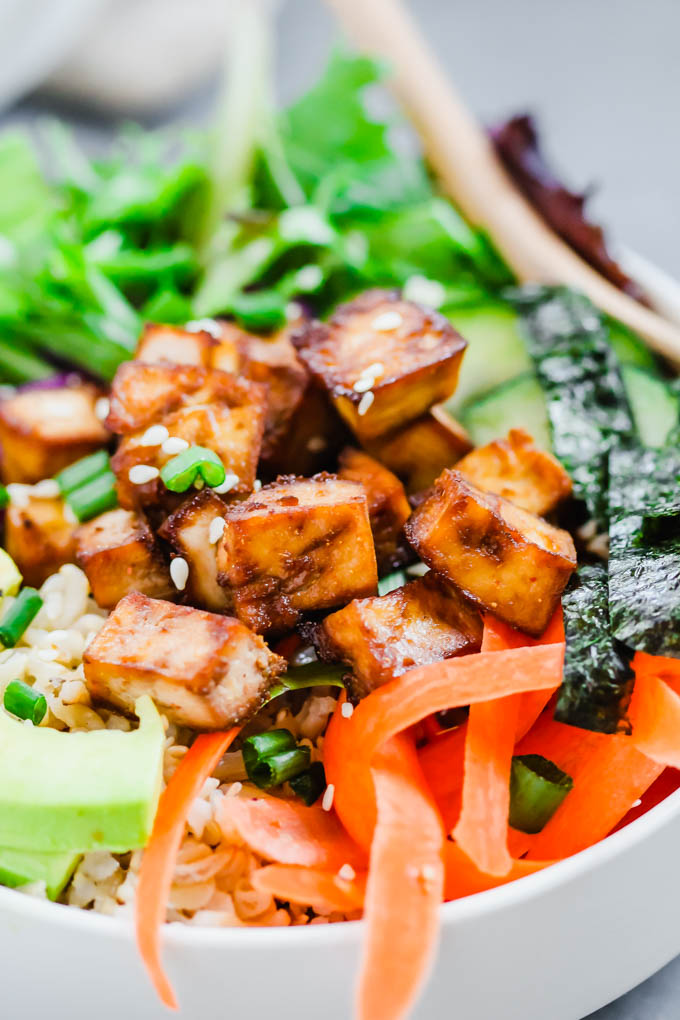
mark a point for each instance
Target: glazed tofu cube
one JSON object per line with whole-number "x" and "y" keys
{"x": 384, "y": 361}
{"x": 516, "y": 469}
{"x": 204, "y": 408}
{"x": 119, "y": 553}
{"x": 315, "y": 434}
{"x": 380, "y": 638}
{"x": 188, "y": 530}
{"x": 202, "y": 670}
{"x": 274, "y": 363}
{"x": 295, "y": 546}
{"x": 39, "y": 538}
{"x": 171, "y": 343}
{"x": 388, "y": 507}
{"x": 510, "y": 562}
{"x": 42, "y": 431}
{"x": 420, "y": 452}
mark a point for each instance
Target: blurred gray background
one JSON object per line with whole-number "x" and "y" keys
{"x": 602, "y": 75}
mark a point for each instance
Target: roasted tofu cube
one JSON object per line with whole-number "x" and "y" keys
{"x": 297, "y": 545}
{"x": 42, "y": 431}
{"x": 202, "y": 670}
{"x": 315, "y": 434}
{"x": 384, "y": 361}
{"x": 119, "y": 553}
{"x": 380, "y": 638}
{"x": 205, "y": 408}
{"x": 516, "y": 469}
{"x": 274, "y": 363}
{"x": 388, "y": 507}
{"x": 188, "y": 530}
{"x": 420, "y": 451}
{"x": 510, "y": 562}
{"x": 176, "y": 345}
{"x": 39, "y": 538}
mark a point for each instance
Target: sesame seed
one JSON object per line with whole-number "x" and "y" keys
{"x": 347, "y": 873}
{"x": 179, "y": 572}
{"x": 316, "y": 443}
{"x": 234, "y": 789}
{"x": 47, "y": 489}
{"x": 327, "y": 802}
{"x": 377, "y": 369}
{"x": 387, "y": 321}
{"x": 293, "y": 311}
{"x": 173, "y": 444}
{"x": 19, "y": 494}
{"x": 365, "y": 403}
{"x": 257, "y": 485}
{"x": 204, "y": 326}
{"x": 230, "y": 480}
{"x": 216, "y": 529}
{"x": 154, "y": 436}
{"x": 636, "y": 803}
{"x": 364, "y": 383}
{"x": 102, "y": 407}
{"x": 140, "y": 474}
{"x": 347, "y": 710}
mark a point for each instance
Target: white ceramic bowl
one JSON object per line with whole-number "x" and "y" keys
{"x": 553, "y": 946}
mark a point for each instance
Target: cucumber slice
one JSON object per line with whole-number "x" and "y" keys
{"x": 518, "y": 403}
{"x": 655, "y": 407}
{"x": 496, "y": 350}
{"x": 630, "y": 349}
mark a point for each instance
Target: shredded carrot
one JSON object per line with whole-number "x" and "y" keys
{"x": 287, "y": 832}
{"x": 350, "y": 744}
{"x": 482, "y": 828}
{"x": 158, "y": 863}
{"x": 404, "y": 889}
{"x": 609, "y": 775}
{"x": 326, "y": 891}
{"x": 667, "y": 783}
{"x": 655, "y": 712}
{"x": 464, "y": 879}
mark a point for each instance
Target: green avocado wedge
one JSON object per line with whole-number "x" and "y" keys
{"x": 78, "y": 792}
{"x": 19, "y": 867}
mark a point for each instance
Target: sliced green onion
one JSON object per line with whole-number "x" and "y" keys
{"x": 4, "y": 497}
{"x": 259, "y": 311}
{"x": 18, "y": 617}
{"x": 314, "y": 674}
{"x": 389, "y": 582}
{"x": 84, "y": 470}
{"x": 180, "y": 473}
{"x": 310, "y": 785}
{"x": 25, "y": 703}
{"x": 94, "y": 497}
{"x": 279, "y": 768}
{"x": 261, "y": 745}
{"x": 537, "y": 788}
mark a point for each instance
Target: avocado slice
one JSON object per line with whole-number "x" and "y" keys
{"x": 10, "y": 576}
{"x": 78, "y": 792}
{"x": 18, "y": 867}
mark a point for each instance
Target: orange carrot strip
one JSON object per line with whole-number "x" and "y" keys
{"x": 290, "y": 833}
{"x": 408, "y": 699}
{"x": 158, "y": 862}
{"x": 464, "y": 879}
{"x": 482, "y": 829}
{"x": 404, "y": 889}
{"x": 667, "y": 783}
{"x": 609, "y": 775}
{"x": 324, "y": 890}
{"x": 655, "y": 716}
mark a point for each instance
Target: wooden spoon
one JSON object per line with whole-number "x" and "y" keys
{"x": 463, "y": 157}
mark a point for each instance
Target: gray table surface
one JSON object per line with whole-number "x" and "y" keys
{"x": 604, "y": 78}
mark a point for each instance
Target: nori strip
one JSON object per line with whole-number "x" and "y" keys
{"x": 644, "y": 549}
{"x": 597, "y": 681}
{"x": 587, "y": 406}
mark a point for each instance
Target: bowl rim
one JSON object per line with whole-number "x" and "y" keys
{"x": 473, "y": 907}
